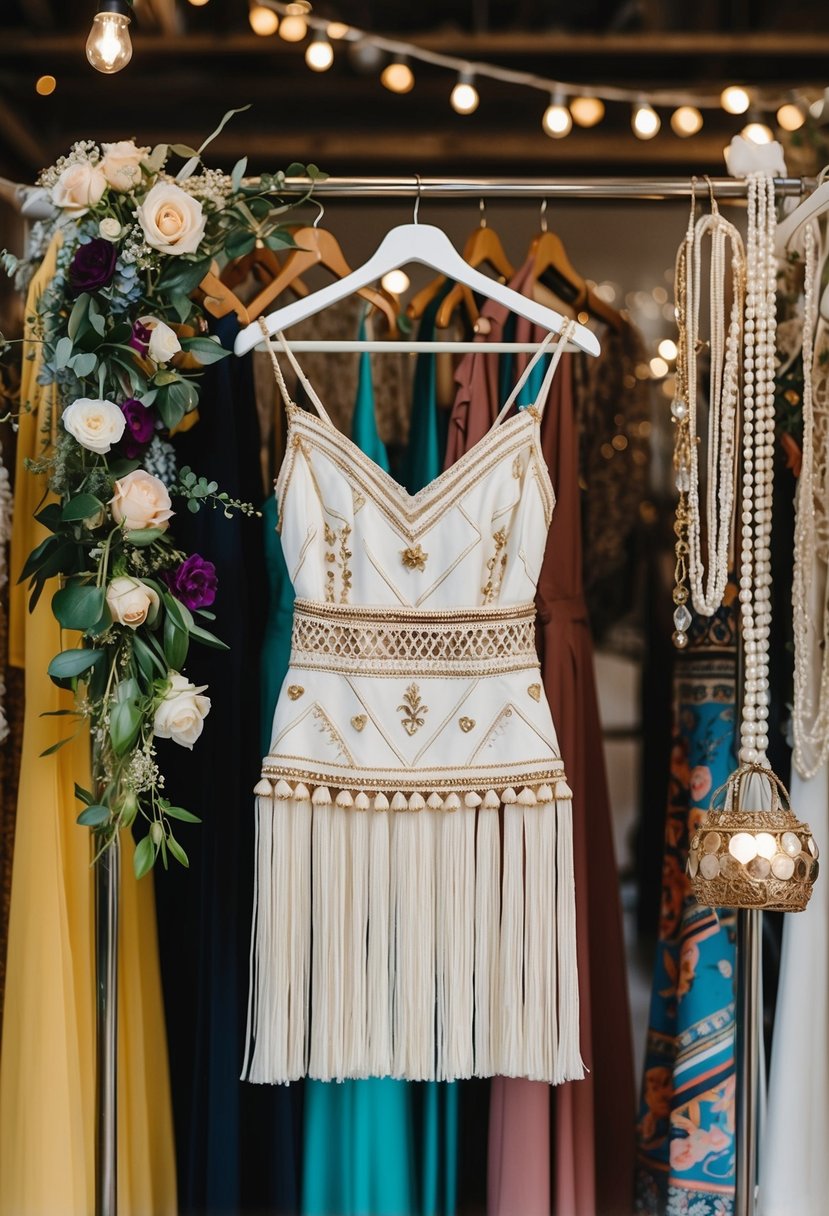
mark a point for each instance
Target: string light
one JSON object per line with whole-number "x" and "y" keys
{"x": 659, "y": 368}
{"x": 757, "y": 133}
{"x": 108, "y": 47}
{"x": 45, "y": 85}
{"x": 294, "y": 27}
{"x": 587, "y": 111}
{"x": 319, "y": 54}
{"x": 734, "y": 99}
{"x": 396, "y": 282}
{"x": 667, "y": 349}
{"x": 398, "y": 77}
{"x": 790, "y": 117}
{"x": 198, "y": 3}
{"x": 263, "y": 21}
{"x": 686, "y": 121}
{"x": 645, "y": 121}
{"x": 464, "y": 98}
{"x": 557, "y": 121}
{"x": 336, "y": 30}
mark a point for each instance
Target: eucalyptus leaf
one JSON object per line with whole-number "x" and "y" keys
{"x": 170, "y": 411}
{"x": 238, "y": 173}
{"x": 79, "y": 606}
{"x": 63, "y": 352}
{"x": 144, "y": 857}
{"x": 181, "y": 304}
{"x": 206, "y": 350}
{"x": 84, "y": 364}
{"x": 96, "y": 317}
{"x": 94, "y": 817}
{"x": 188, "y": 168}
{"x": 183, "y": 275}
{"x": 280, "y": 240}
{"x": 183, "y": 150}
{"x": 238, "y": 244}
{"x": 77, "y": 317}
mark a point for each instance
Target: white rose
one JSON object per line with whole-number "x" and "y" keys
{"x": 109, "y": 228}
{"x": 141, "y": 501}
{"x": 78, "y": 188}
{"x": 131, "y": 602}
{"x": 173, "y": 221}
{"x": 121, "y": 164}
{"x": 96, "y": 425}
{"x": 180, "y": 716}
{"x": 163, "y": 342}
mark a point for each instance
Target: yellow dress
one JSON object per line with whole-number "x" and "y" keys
{"x": 47, "y": 1067}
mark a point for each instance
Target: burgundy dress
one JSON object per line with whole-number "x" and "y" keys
{"x": 567, "y": 1150}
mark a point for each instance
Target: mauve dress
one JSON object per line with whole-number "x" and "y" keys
{"x": 570, "y": 1149}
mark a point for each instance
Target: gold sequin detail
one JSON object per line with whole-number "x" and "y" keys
{"x": 338, "y": 555}
{"x": 414, "y": 558}
{"x": 466, "y": 724}
{"x": 413, "y": 710}
{"x": 517, "y": 467}
{"x": 535, "y": 691}
{"x": 496, "y": 566}
{"x": 295, "y": 691}
{"x": 359, "y": 721}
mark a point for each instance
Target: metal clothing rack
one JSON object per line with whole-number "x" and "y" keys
{"x": 107, "y": 869}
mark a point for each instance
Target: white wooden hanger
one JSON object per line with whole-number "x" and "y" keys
{"x": 430, "y": 246}
{"x": 810, "y": 208}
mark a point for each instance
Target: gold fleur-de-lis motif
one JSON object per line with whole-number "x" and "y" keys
{"x": 414, "y": 558}
{"x": 413, "y": 710}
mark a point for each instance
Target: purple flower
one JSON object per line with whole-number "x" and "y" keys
{"x": 140, "y": 338}
{"x": 194, "y": 582}
{"x": 92, "y": 266}
{"x": 139, "y": 430}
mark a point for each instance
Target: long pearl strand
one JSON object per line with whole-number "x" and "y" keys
{"x": 758, "y": 467}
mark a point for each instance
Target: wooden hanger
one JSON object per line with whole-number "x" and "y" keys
{"x": 318, "y": 247}
{"x": 219, "y": 299}
{"x": 552, "y": 264}
{"x": 264, "y": 265}
{"x": 483, "y": 248}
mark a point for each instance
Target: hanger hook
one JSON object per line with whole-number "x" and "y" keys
{"x": 482, "y": 209}
{"x": 714, "y": 207}
{"x": 321, "y": 213}
{"x": 415, "y": 220}
{"x": 543, "y": 215}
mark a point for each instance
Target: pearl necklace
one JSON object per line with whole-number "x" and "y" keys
{"x": 758, "y": 467}
{"x": 811, "y": 618}
{"x": 724, "y": 394}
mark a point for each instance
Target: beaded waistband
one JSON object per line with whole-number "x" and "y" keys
{"x": 381, "y": 641}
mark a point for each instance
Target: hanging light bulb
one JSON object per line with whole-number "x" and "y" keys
{"x": 757, "y": 133}
{"x": 464, "y": 98}
{"x": 686, "y": 121}
{"x": 198, "y": 3}
{"x": 398, "y": 77}
{"x": 734, "y": 99}
{"x": 645, "y": 121}
{"x": 294, "y": 27}
{"x": 263, "y": 21}
{"x": 557, "y": 121}
{"x": 337, "y": 30}
{"x": 108, "y": 47}
{"x": 587, "y": 111}
{"x": 319, "y": 54}
{"x": 790, "y": 117}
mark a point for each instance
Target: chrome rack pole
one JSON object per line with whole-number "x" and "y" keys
{"x": 107, "y": 900}
{"x": 537, "y": 188}
{"x": 749, "y": 1005}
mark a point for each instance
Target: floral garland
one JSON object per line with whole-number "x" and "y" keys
{"x": 124, "y": 343}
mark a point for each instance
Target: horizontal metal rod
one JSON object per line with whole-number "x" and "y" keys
{"x": 348, "y": 346}
{"x": 540, "y": 188}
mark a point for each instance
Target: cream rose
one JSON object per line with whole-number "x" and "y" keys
{"x": 131, "y": 602}
{"x": 121, "y": 165}
{"x": 109, "y": 228}
{"x": 173, "y": 221}
{"x": 79, "y": 187}
{"x": 163, "y": 342}
{"x": 180, "y": 715}
{"x": 96, "y": 425}
{"x": 141, "y": 501}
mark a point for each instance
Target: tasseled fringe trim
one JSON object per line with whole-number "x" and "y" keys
{"x": 421, "y": 946}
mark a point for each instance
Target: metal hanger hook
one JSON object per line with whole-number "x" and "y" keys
{"x": 415, "y": 219}
{"x": 714, "y": 207}
{"x": 482, "y": 209}
{"x": 317, "y": 203}
{"x": 543, "y": 216}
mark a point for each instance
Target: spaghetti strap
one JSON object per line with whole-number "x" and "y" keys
{"x": 280, "y": 379}
{"x": 538, "y": 404}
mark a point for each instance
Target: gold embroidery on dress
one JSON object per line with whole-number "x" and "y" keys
{"x": 496, "y": 566}
{"x": 359, "y": 721}
{"x": 337, "y": 557}
{"x": 295, "y": 691}
{"x": 466, "y": 724}
{"x": 517, "y": 467}
{"x": 413, "y": 709}
{"x": 535, "y": 691}
{"x": 345, "y": 568}
{"x": 414, "y": 558}
{"x": 328, "y": 728}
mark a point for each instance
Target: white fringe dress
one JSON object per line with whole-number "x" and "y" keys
{"x": 415, "y": 911}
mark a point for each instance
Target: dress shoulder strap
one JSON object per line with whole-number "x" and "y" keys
{"x": 540, "y": 400}
{"x": 280, "y": 379}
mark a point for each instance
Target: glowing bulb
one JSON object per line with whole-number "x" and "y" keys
{"x": 263, "y": 21}
{"x": 667, "y": 349}
{"x": 320, "y": 54}
{"x": 734, "y": 99}
{"x": 108, "y": 47}
{"x": 790, "y": 117}
{"x": 645, "y": 121}
{"x": 587, "y": 111}
{"x": 557, "y": 121}
{"x": 395, "y": 282}
{"x": 198, "y": 3}
{"x": 464, "y": 98}
{"x": 757, "y": 133}
{"x": 398, "y": 77}
{"x": 337, "y": 30}
{"x": 686, "y": 121}
{"x": 45, "y": 85}
{"x": 293, "y": 28}
{"x": 659, "y": 368}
